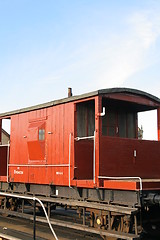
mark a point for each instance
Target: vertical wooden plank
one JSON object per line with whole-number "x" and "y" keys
{"x": 158, "y": 123}
{"x": 53, "y": 144}
{"x": 98, "y": 132}
{"x": 65, "y": 140}
{"x": 71, "y": 128}
{"x": 56, "y": 135}
{"x": 0, "y": 130}
{"x": 61, "y": 134}
{"x": 48, "y": 137}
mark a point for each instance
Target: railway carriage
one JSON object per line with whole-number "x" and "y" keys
{"x": 83, "y": 152}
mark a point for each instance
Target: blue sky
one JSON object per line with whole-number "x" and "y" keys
{"x": 47, "y": 46}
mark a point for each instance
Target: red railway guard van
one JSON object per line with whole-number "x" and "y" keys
{"x": 83, "y": 147}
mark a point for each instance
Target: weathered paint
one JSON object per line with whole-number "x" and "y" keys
{"x": 113, "y": 156}
{"x": 58, "y": 125}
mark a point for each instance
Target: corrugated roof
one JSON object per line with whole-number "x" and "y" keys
{"x": 86, "y": 95}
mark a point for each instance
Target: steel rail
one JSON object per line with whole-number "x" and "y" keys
{"x": 78, "y": 227}
{"x": 7, "y": 237}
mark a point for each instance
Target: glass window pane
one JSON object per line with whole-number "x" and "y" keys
{"x": 41, "y": 134}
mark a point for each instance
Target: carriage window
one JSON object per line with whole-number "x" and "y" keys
{"x": 147, "y": 122}
{"x": 41, "y": 134}
{"x": 85, "y": 113}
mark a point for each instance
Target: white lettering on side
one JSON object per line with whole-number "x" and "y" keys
{"x": 59, "y": 173}
{"x": 18, "y": 172}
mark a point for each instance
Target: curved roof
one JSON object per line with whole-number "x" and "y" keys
{"x": 129, "y": 91}
{"x": 86, "y": 95}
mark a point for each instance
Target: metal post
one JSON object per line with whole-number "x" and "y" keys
{"x": 34, "y": 199}
{"x": 49, "y": 210}
{"x": 5, "y": 203}
{"x": 135, "y": 222}
{"x": 84, "y": 216}
{"x": 109, "y": 220}
{"x": 22, "y": 205}
{"x": 34, "y": 220}
{"x": 92, "y": 219}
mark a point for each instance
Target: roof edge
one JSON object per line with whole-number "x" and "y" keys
{"x": 50, "y": 104}
{"x": 129, "y": 91}
{"x": 82, "y": 96}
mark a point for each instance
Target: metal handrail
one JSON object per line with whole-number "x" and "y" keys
{"x": 34, "y": 199}
{"x": 83, "y": 138}
{"x": 123, "y": 178}
{"x": 3, "y": 145}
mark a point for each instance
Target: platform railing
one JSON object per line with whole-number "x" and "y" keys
{"x": 34, "y": 212}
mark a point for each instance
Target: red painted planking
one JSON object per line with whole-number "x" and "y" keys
{"x": 47, "y": 161}
{"x": 158, "y": 121}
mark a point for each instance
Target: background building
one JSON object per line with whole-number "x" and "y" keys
{"x": 5, "y": 137}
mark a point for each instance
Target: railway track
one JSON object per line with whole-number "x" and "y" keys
{"x": 15, "y": 228}
{"x": 67, "y": 223}
{"x": 83, "y": 221}
{"x": 23, "y": 229}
